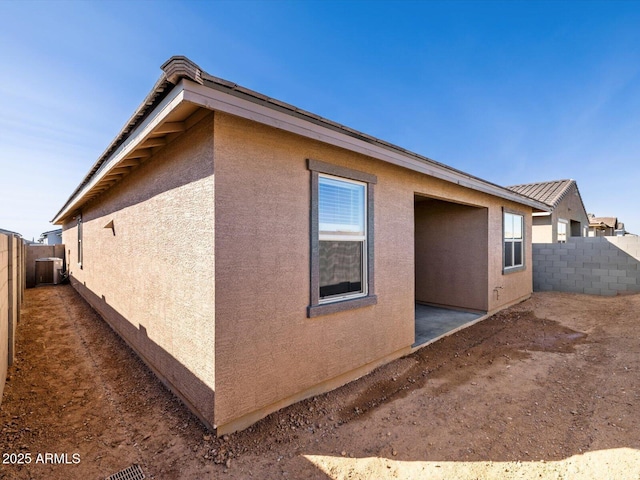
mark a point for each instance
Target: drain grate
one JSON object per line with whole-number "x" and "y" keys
{"x": 134, "y": 472}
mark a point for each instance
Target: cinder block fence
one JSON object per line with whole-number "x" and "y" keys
{"x": 12, "y": 254}
{"x": 597, "y": 266}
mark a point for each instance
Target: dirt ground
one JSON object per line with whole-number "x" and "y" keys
{"x": 547, "y": 389}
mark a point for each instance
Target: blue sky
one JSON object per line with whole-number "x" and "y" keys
{"x": 512, "y": 92}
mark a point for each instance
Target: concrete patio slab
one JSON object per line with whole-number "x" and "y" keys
{"x": 434, "y": 322}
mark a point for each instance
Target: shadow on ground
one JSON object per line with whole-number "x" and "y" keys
{"x": 548, "y": 387}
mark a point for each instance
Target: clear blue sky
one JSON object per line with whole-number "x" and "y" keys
{"x": 512, "y": 92}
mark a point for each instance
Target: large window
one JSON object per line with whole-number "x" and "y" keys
{"x": 513, "y": 241}
{"x": 341, "y": 239}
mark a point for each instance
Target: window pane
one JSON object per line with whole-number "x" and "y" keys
{"x": 562, "y": 232}
{"x": 341, "y": 206}
{"x": 517, "y": 226}
{"x": 340, "y": 268}
{"x": 508, "y": 225}
{"x": 517, "y": 253}
{"x": 508, "y": 254}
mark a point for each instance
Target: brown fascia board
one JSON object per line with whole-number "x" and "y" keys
{"x": 258, "y": 98}
{"x": 174, "y": 69}
{"x": 179, "y": 67}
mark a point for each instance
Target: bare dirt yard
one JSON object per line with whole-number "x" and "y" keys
{"x": 547, "y": 389}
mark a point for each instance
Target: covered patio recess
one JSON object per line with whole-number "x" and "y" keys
{"x": 451, "y": 266}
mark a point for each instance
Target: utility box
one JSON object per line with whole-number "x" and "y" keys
{"x": 48, "y": 271}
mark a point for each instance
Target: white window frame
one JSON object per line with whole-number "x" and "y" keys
{"x": 346, "y": 237}
{"x": 513, "y": 239}
{"x": 565, "y": 223}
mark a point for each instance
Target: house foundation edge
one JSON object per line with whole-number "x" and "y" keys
{"x": 163, "y": 379}
{"x": 318, "y": 389}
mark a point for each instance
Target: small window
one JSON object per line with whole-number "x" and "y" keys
{"x": 562, "y": 232}
{"x": 80, "y": 241}
{"x": 513, "y": 241}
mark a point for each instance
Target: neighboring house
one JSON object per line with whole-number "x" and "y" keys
{"x": 605, "y": 226}
{"x": 9, "y": 232}
{"x": 567, "y": 216}
{"x": 254, "y": 254}
{"x": 52, "y": 237}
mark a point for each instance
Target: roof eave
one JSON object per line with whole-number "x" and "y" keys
{"x": 182, "y": 81}
{"x": 262, "y": 110}
{"x": 132, "y": 143}
{"x": 174, "y": 69}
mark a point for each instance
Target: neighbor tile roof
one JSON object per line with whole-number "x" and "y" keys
{"x": 611, "y": 222}
{"x": 547, "y": 192}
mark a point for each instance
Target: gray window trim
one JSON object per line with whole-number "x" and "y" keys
{"x": 316, "y": 309}
{"x": 519, "y": 268}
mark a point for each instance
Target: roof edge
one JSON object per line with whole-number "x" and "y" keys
{"x": 571, "y": 183}
{"x": 179, "y": 67}
{"x": 173, "y": 70}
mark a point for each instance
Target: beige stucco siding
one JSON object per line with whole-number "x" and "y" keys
{"x": 451, "y": 254}
{"x": 152, "y": 275}
{"x": 266, "y": 347}
{"x": 267, "y": 350}
{"x": 571, "y": 210}
{"x": 543, "y": 229}
{"x": 508, "y": 288}
{"x": 217, "y": 303}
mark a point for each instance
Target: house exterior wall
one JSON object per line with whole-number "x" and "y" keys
{"x": 442, "y": 275}
{"x": 601, "y": 232}
{"x": 53, "y": 238}
{"x": 216, "y": 303}
{"x": 570, "y": 208}
{"x": 268, "y": 353}
{"x": 542, "y": 230}
{"x": 152, "y": 276}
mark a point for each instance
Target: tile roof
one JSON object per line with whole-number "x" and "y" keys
{"x": 611, "y": 222}
{"x": 547, "y": 192}
{"x": 178, "y": 68}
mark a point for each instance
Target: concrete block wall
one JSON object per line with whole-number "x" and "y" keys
{"x": 596, "y": 266}
{"x": 4, "y": 309}
{"x": 12, "y": 254}
{"x": 12, "y": 285}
